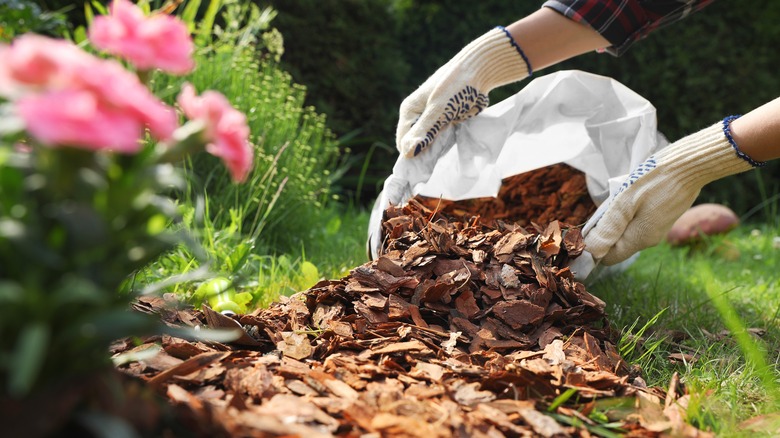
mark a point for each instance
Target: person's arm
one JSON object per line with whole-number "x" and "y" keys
{"x": 758, "y": 132}
{"x": 459, "y": 89}
{"x": 666, "y": 184}
{"x": 548, "y": 38}
{"x": 560, "y": 30}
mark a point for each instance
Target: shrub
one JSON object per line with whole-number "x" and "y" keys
{"x": 296, "y": 154}
{"x": 347, "y": 54}
{"x": 22, "y": 16}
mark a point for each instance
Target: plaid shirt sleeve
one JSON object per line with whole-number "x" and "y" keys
{"x": 623, "y": 22}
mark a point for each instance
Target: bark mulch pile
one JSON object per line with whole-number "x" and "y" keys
{"x": 459, "y": 328}
{"x": 557, "y": 192}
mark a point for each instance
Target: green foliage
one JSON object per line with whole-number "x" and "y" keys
{"x": 221, "y": 296}
{"x": 358, "y": 60}
{"x": 347, "y": 54}
{"x": 73, "y": 225}
{"x": 628, "y": 345}
{"x": 336, "y": 246}
{"x": 231, "y": 263}
{"x": 295, "y": 159}
{"x": 286, "y": 206}
{"x": 296, "y": 154}
{"x": 21, "y": 16}
{"x": 74, "y": 10}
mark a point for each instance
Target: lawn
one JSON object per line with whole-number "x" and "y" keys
{"x": 719, "y": 305}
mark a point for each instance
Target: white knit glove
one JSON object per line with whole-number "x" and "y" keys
{"x": 661, "y": 189}
{"x": 459, "y": 89}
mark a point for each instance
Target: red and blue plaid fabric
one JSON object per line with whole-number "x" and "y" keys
{"x": 623, "y": 22}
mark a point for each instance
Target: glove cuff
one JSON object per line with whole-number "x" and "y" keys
{"x": 705, "y": 156}
{"x": 495, "y": 59}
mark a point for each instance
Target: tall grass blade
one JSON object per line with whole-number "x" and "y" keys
{"x": 207, "y": 23}
{"x": 189, "y": 13}
{"x": 751, "y": 350}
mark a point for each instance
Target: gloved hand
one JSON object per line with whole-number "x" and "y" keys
{"x": 459, "y": 89}
{"x": 661, "y": 189}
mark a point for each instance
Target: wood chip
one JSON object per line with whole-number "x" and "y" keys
{"x": 468, "y": 324}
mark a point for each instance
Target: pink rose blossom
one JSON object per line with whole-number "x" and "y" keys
{"x": 78, "y": 118}
{"x": 159, "y": 41}
{"x": 226, "y": 129}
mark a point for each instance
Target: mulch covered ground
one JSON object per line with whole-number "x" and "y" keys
{"x": 468, "y": 324}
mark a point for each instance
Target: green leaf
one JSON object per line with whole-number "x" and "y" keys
{"x": 333, "y": 226}
{"x": 207, "y": 24}
{"x": 28, "y": 357}
{"x": 243, "y": 299}
{"x": 99, "y": 7}
{"x": 156, "y": 224}
{"x": 189, "y": 13}
{"x": 309, "y": 273}
{"x": 144, "y": 6}
{"x": 561, "y": 399}
{"x": 89, "y": 14}
{"x": 616, "y": 408}
{"x": 10, "y": 293}
{"x": 5, "y": 154}
{"x": 600, "y": 430}
{"x": 80, "y": 35}
{"x": 598, "y": 416}
{"x": 211, "y": 289}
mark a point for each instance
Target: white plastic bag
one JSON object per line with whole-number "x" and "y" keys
{"x": 592, "y": 123}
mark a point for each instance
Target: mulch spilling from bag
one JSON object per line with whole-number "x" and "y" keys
{"x": 457, "y": 329}
{"x": 557, "y": 192}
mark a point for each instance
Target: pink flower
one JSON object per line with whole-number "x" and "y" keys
{"x": 35, "y": 62}
{"x": 57, "y": 86}
{"x": 159, "y": 41}
{"x": 79, "y": 118}
{"x": 121, "y": 90}
{"x": 226, "y": 129}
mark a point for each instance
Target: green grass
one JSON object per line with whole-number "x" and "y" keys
{"x": 729, "y": 283}
{"x": 334, "y": 247}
